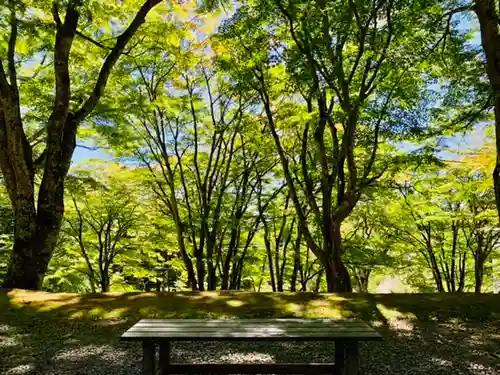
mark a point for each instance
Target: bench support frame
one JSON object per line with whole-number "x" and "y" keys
{"x": 346, "y": 363}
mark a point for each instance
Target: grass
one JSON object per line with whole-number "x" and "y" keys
{"x": 134, "y": 306}
{"x": 36, "y": 328}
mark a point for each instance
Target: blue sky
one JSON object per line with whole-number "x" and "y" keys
{"x": 82, "y": 154}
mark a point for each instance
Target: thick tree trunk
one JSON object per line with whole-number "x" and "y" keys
{"x": 212, "y": 277}
{"x": 488, "y": 20}
{"x": 337, "y": 275}
{"x": 26, "y": 271}
{"x": 36, "y": 232}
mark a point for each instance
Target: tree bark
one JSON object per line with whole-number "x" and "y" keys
{"x": 362, "y": 276}
{"x": 317, "y": 284}
{"x": 337, "y": 275}
{"x": 296, "y": 262}
{"x": 478, "y": 271}
{"x": 269, "y": 258}
{"x": 462, "y": 269}
{"x": 488, "y": 20}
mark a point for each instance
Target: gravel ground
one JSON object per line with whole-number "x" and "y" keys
{"x": 425, "y": 349}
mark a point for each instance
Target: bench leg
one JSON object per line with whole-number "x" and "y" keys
{"x": 148, "y": 358}
{"x": 339, "y": 357}
{"x": 352, "y": 351}
{"x": 164, "y": 357}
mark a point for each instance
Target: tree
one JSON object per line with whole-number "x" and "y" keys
{"x": 355, "y": 74}
{"x": 431, "y": 223}
{"x": 369, "y": 241}
{"x": 278, "y": 235}
{"x": 447, "y": 214}
{"x": 488, "y": 15}
{"x": 103, "y": 226}
{"x": 112, "y": 236}
{"x": 478, "y": 224}
{"x": 204, "y": 162}
{"x": 38, "y": 218}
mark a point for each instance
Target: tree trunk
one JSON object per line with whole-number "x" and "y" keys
{"x": 105, "y": 283}
{"x": 488, "y": 20}
{"x": 267, "y": 243}
{"x": 262, "y": 273}
{"x": 462, "y": 269}
{"x": 191, "y": 281}
{"x": 454, "y": 230}
{"x": 36, "y": 233}
{"x": 212, "y": 276}
{"x": 200, "y": 267}
{"x": 337, "y": 278}
{"x": 337, "y": 275}
{"x": 231, "y": 252}
{"x": 436, "y": 273}
{"x": 317, "y": 284}
{"x": 362, "y": 276}
{"x": 478, "y": 272}
{"x": 296, "y": 262}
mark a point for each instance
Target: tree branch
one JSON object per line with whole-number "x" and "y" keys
{"x": 12, "y": 46}
{"x": 112, "y": 58}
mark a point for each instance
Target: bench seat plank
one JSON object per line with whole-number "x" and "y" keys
{"x": 250, "y": 329}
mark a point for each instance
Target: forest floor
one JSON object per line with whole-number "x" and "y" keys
{"x": 46, "y": 333}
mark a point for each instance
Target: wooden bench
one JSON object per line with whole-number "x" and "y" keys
{"x": 346, "y": 335}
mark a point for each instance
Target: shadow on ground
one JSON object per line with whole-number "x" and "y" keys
{"x": 44, "y": 333}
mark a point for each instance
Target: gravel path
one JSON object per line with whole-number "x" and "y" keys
{"x": 428, "y": 349}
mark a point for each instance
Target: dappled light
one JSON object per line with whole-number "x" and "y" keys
{"x": 258, "y": 187}
{"x": 81, "y": 329}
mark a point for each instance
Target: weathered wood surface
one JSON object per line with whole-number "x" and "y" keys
{"x": 250, "y": 329}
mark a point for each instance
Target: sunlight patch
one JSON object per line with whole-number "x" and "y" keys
{"x": 21, "y": 369}
{"x": 323, "y": 309}
{"x": 5, "y": 328}
{"x": 12, "y": 340}
{"x": 393, "y": 314}
{"x": 401, "y": 325}
{"x": 116, "y": 313}
{"x": 235, "y": 303}
{"x": 478, "y": 368}
{"x": 249, "y": 357}
{"x": 105, "y": 352}
{"x": 293, "y": 308}
{"x": 441, "y": 362}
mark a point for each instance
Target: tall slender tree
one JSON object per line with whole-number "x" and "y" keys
{"x": 358, "y": 74}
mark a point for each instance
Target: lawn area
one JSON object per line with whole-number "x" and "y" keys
{"x": 46, "y": 333}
